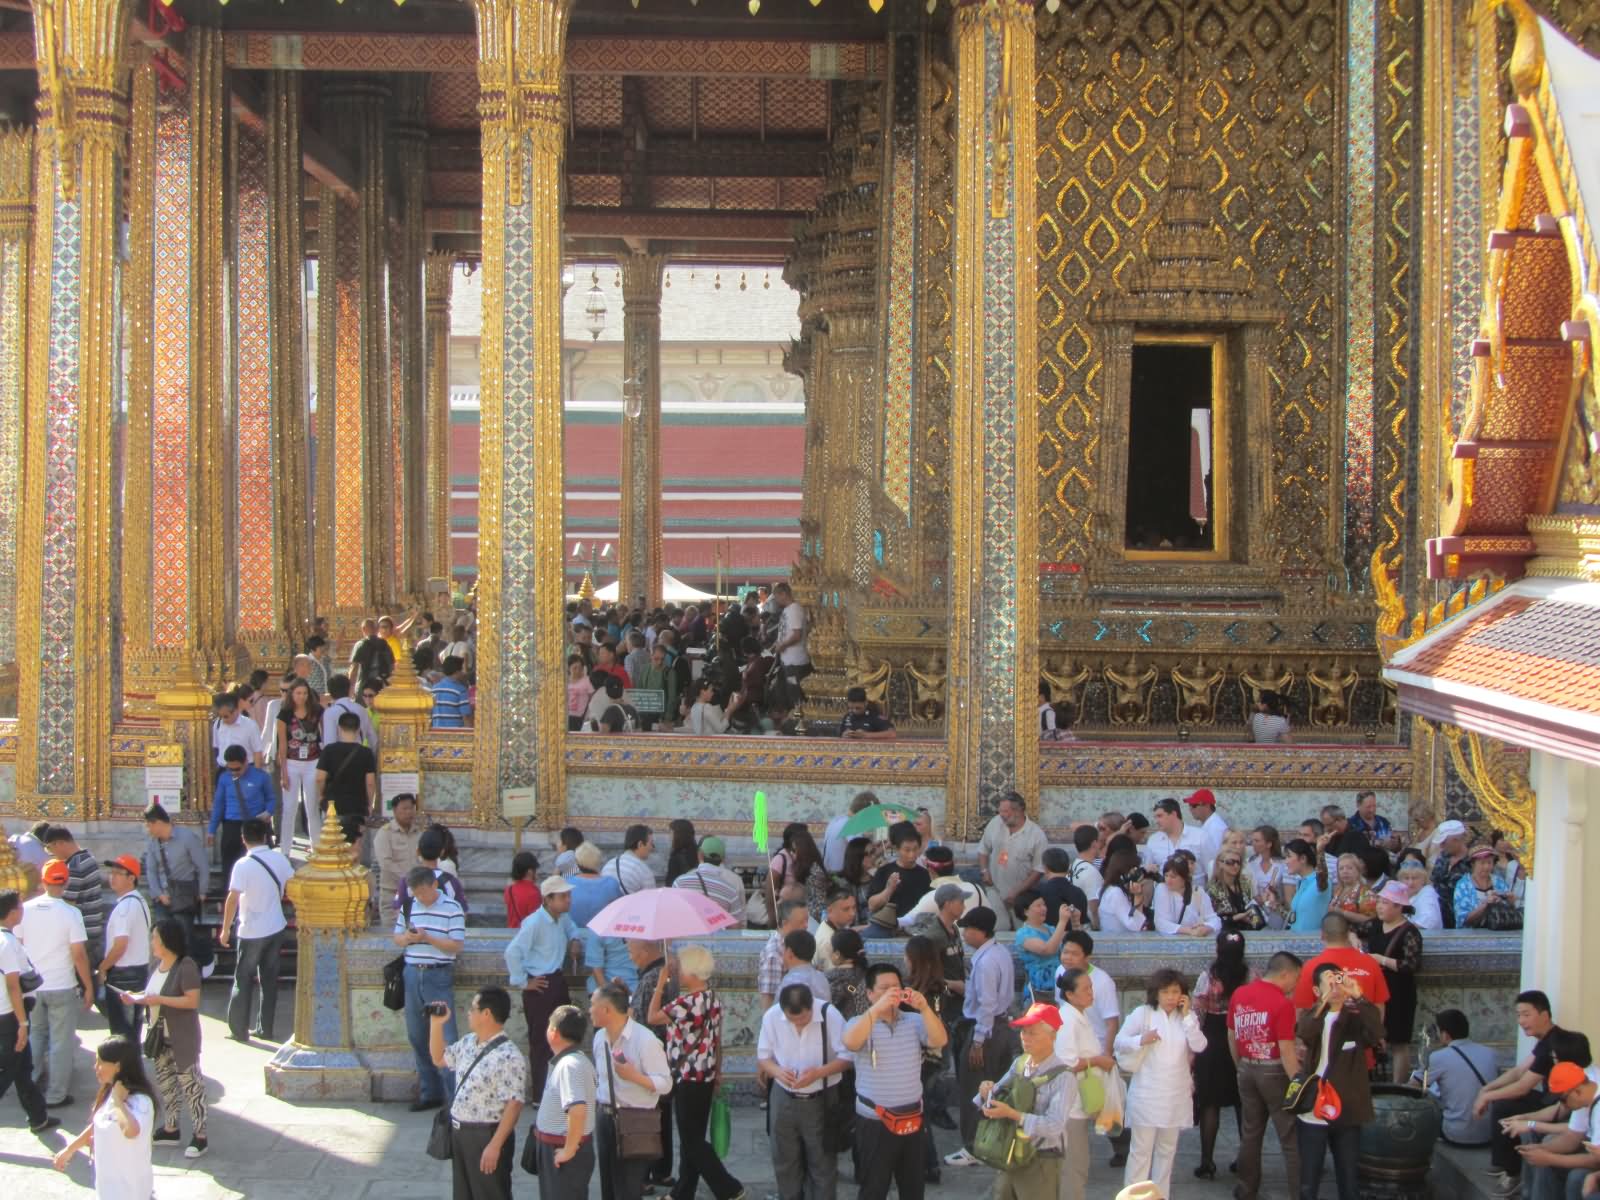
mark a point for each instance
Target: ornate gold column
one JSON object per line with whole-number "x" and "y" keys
{"x": 16, "y": 213}
{"x": 639, "y": 567}
{"x": 353, "y": 364}
{"x": 68, "y": 613}
{"x": 521, "y": 718}
{"x": 994, "y": 584}
{"x": 180, "y": 509}
{"x": 438, "y": 271}
{"x": 408, "y": 137}
{"x": 268, "y": 369}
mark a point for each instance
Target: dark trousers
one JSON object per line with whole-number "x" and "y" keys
{"x": 1315, "y": 1142}
{"x": 692, "y": 1103}
{"x": 568, "y": 1182}
{"x": 1503, "y": 1154}
{"x": 536, "y": 1008}
{"x": 258, "y": 959}
{"x": 888, "y": 1158}
{"x": 619, "y": 1180}
{"x": 662, "y": 1167}
{"x": 998, "y": 1053}
{"x": 16, "y": 1067}
{"x": 121, "y": 1018}
{"x": 1261, "y": 1088}
{"x": 467, "y": 1181}
{"x": 230, "y": 847}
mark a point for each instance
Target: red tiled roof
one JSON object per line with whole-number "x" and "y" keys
{"x": 1545, "y": 651}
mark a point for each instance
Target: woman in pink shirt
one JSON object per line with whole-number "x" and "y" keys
{"x": 579, "y": 692}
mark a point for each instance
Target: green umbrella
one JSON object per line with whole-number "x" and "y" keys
{"x": 874, "y": 816}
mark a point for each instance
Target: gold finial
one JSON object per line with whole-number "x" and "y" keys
{"x": 404, "y": 696}
{"x": 12, "y": 873}
{"x": 329, "y": 891}
{"x": 1527, "y": 56}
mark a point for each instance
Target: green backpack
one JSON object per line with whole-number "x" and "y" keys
{"x": 999, "y": 1143}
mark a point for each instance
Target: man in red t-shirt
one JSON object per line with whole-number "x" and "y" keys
{"x": 1261, "y": 1039}
{"x": 1357, "y": 964}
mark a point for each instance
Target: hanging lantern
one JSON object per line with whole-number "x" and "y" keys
{"x": 875, "y": 5}
{"x": 594, "y": 310}
{"x": 755, "y": 7}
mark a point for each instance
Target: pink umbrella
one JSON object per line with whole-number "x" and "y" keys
{"x": 660, "y": 914}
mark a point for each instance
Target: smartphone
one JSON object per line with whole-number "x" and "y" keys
{"x": 436, "y": 1008}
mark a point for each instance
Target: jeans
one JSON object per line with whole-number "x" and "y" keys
{"x": 889, "y": 1158}
{"x": 16, "y": 1067}
{"x": 1315, "y": 1142}
{"x": 122, "y": 1018}
{"x": 52, "y": 1038}
{"x": 258, "y": 959}
{"x": 692, "y": 1102}
{"x": 426, "y": 983}
{"x": 1261, "y": 1089}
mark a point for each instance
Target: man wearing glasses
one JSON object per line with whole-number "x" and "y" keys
{"x": 244, "y": 791}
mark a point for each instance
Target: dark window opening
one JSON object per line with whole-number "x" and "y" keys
{"x": 1171, "y": 498}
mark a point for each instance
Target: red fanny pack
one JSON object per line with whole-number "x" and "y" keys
{"x": 902, "y": 1122}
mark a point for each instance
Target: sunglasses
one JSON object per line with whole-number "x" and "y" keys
{"x": 1229, "y": 862}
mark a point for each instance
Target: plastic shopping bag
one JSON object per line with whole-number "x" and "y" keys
{"x": 721, "y": 1123}
{"x": 1109, "y": 1119}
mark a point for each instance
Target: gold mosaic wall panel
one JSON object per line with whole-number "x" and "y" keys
{"x": 1268, "y": 115}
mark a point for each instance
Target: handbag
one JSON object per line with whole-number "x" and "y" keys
{"x": 394, "y": 975}
{"x": 638, "y": 1129}
{"x": 439, "y": 1135}
{"x": 1499, "y": 915}
{"x": 1301, "y": 1094}
{"x": 156, "y": 1042}
{"x": 183, "y": 895}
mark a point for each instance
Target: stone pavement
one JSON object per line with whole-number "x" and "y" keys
{"x": 261, "y": 1147}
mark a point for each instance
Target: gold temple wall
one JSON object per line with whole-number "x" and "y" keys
{"x": 16, "y": 211}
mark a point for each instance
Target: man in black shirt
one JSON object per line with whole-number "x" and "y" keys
{"x": 347, "y": 777}
{"x": 863, "y": 723}
{"x": 1056, "y": 888}
{"x": 897, "y": 886}
{"x": 371, "y": 660}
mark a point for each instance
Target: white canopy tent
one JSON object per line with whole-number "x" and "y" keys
{"x": 673, "y": 590}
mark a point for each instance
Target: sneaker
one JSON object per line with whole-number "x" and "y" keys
{"x": 207, "y": 970}
{"x": 1508, "y": 1187}
{"x": 166, "y": 1137}
{"x": 46, "y": 1125}
{"x": 960, "y": 1158}
{"x": 196, "y": 1148}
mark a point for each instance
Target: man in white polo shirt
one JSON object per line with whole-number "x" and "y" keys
{"x": 126, "y": 965}
{"x": 255, "y": 896}
{"x": 52, "y": 931}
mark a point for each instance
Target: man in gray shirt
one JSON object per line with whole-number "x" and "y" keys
{"x": 1457, "y": 1071}
{"x": 176, "y": 875}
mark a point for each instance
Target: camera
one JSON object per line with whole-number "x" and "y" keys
{"x": 436, "y": 1008}
{"x": 1137, "y": 875}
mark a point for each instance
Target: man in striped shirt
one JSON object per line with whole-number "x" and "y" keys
{"x": 451, "y": 707}
{"x": 85, "y": 887}
{"x": 431, "y": 929}
{"x": 714, "y": 881}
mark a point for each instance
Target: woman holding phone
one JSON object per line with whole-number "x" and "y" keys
{"x": 1334, "y": 1037}
{"x": 1156, "y": 1046}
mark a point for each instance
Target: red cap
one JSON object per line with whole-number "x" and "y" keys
{"x": 1565, "y": 1076}
{"x": 1201, "y": 796}
{"x": 55, "y": 872}
{"x": 127, "y": 862}
{"x": 1039, "y": 1014}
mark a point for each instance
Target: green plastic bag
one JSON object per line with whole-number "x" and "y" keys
{"x": 721, "y": 1123}
{"x": 1091, "y": 1092}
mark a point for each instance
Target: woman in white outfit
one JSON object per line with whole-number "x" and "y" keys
{"x": 299, "y": 746}
{"x": 1078, "y": 1046}
{"x": 1124, "y": 901}
{"x": 1182, "y": 908}
{"x": 121, "y": 1121}
{"x": 1155, "y": 1047}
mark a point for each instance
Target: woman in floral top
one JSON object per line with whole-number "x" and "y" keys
{"x": 693, "y": 1019}
{"x": 1351, "y": 895}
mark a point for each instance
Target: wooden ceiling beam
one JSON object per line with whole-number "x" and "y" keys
{"x": 727, "y": 156}
{"x": 684, "y": 225}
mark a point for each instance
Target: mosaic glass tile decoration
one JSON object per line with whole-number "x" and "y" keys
{"x": 171, "y": 257}
{"x": 349, "y": 415}
{"x": 1360, "y": 215}
{"x": 900, "y": 290}
{"x": 13, "y": 315}
{"x": 252, "y": 385}
{"x": 1466, "y": 215}
{"x": 56, "y": 763}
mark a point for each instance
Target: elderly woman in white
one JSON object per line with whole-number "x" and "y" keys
{"x": 1182, "y": 908}
{"x": 1424, "y": 899}
{"x": 1081, "y": 1049}
{"x": 1156, "y": 1046}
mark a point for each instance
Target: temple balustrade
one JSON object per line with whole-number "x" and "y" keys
{"x": 1469, "y": 970}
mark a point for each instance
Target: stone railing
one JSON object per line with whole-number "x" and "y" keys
{"x": 1475, "y": 972}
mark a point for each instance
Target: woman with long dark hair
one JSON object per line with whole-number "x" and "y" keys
{"x": 861, "y": 856}
{"x": 121, "y": 1120}
{"x": 1125, "y": 900}
{"x": 1307, "y": 876}
{"x": 799, "y": 861}
{"x": 299, "y": 744}
{"x": 684, "y": 856}
{"x": 847, "y": 983}
{"x": 174, "y": 994}
{"x": 1180, "y": 907}
{"x": 1216, "y": 1078}
{"x": 522, "y": 895}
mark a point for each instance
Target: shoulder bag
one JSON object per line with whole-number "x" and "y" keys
{"x": 439, "y": 1135}
{"x": 1000, "y": 1143}
{"x": 28, "y": 979}
{"x": 1482, "y": 1082}
{"x": 838, "y": 1119}
{"x": 394, "y": 974}
{"x": 638, "y": 1129}
{"x": 182, "y": 895}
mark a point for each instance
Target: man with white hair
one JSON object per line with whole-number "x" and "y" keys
{"x": 1449, "y": 844}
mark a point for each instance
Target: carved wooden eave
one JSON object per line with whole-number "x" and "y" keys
{"x": 1533, "y": 359}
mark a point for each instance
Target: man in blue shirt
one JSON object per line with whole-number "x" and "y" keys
{"x": 1377, "y": 829}
{"x": 451, "y": 707}
{"x": 535, "y": 958}
{"x": 244, "y": 791}
{"x": 986, "y": 1047}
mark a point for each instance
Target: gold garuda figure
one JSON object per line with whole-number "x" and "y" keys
{"x": 1197, "y": 692}
{"x": 927, "y": 680}
{"x": 1331, "y": 692}
{"x": 1130, "y": 693}
{"x": 1066, "y": 687}
{"x": 1264, "y": 682}
{"x": 870, "y": 677}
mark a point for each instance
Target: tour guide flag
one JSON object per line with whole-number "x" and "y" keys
{"x": 758, "y": 821}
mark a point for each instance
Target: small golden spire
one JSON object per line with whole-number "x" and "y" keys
{"x": 329, "y": 891}
{"x": 12, "y": 873}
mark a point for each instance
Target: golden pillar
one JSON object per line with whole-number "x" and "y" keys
{"x": 272, "y": 595}
{"x": 67, "y": 616}
{"x": 438, "y": 271}
{"x": 354, "y": 550}
{"x": 177, "y": 550}
{"x": 521, "y": 719}
{"x": 16, "y": 213}
{"x": 408, "y": 138}
{"x": 640, "y": 564}
{"x": 994, "y": 577}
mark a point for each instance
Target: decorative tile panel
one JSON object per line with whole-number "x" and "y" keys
{"x": 252, "y": 382}
{"x": 171, "y": 261}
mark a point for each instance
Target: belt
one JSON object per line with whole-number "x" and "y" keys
{"x": 428, "y": 966}
{"x": 455, "y": 1124}
{"x": 801, "y": 1095}
{"x": 557, "y": 1139}
{"x": 1262, "y": 1062}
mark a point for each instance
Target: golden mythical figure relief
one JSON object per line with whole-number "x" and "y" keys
{"x": 927, "y": 680}
{"x": 871, "y": 677}
{"x": 1265, "y": 682}
{"x": 1066, "y": 687}
{"x": 1131, "y": 692}
{"x": 1197, "y": 692}
{"x": 1331, "y": 694}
